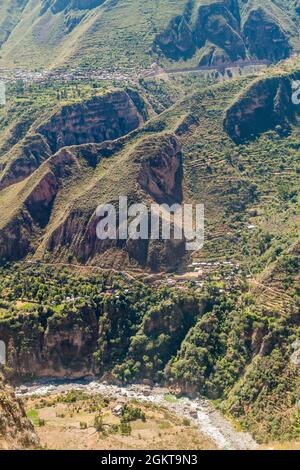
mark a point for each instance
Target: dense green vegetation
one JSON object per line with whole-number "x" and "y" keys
{"x": 225, "y": 347}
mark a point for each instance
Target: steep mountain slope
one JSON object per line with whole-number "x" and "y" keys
{"x": 121, "y": 34}
{"x": 235, "y": 159}
{"x": 233, "y": 145}
{"x": 10, "y": 13}
{"x": 114, "y": 34}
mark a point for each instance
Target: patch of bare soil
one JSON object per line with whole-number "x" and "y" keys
{"x": 74, "y": 421}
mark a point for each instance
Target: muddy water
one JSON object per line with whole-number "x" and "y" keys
{"x": 209, "y": 421}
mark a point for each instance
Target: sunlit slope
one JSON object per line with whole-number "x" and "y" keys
{"x": 132, "y": 34}
{"x": 248, "y": 182}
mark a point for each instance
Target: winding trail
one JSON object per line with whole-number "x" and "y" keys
{"x": 208, "y": 420}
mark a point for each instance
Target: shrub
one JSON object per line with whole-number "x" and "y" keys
{"x": 132, "y": 414}
{"x": 98, "y": 423}
{"x": 125, "y": 428}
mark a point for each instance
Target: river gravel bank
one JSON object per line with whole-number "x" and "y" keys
{"x": 209, "y": 421}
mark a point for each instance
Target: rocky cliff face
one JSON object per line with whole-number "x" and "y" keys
{"x": 219, "y": 23}
{"x": 40, "y": 201}
{"x": 24, "y": 158}
{"x": 264, "y": 38}
{"x": 266, "y": 104}
{"x": 216, "y": 23}
{"x": 59, "y": 346}
{"x": 158, "y": 172}
{"x": 86, "y": 337}
{"x": 16, "y": 431}
{"x": 102, "y": 118}
{"x": 17, "y": 235}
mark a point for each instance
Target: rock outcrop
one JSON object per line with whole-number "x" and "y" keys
{"x": 264, "y": 38}
{"x": 102, "y": 118}
{"x": 177, "y": 40}
{"x": 40, "y": 201}
{"x": 16, "y": 431}
{"x": 266, "y": 104}
{"x": 219, "y": 24}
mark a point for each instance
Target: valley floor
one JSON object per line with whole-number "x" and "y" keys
{"x": 165, "y": 428}
{"x": 71, "y": 426}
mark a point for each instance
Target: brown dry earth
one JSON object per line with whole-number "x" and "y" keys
{"x": 161, "y": 430}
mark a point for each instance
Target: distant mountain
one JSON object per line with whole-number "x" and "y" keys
{"x": 122, "y": 34}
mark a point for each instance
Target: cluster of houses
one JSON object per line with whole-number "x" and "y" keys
{"x": 198, "y": 272}
{"x": 205, "y": 268}
{"x": 9, "y": 75}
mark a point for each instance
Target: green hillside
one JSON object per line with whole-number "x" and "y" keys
{"x": 246, "y": 173}
{"x": 132, "y": 34}
{"x": 221, "y": 322}
{"x": 10, "y": 13}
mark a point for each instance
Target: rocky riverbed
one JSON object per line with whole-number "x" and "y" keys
{"x": 209, "y": 421}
